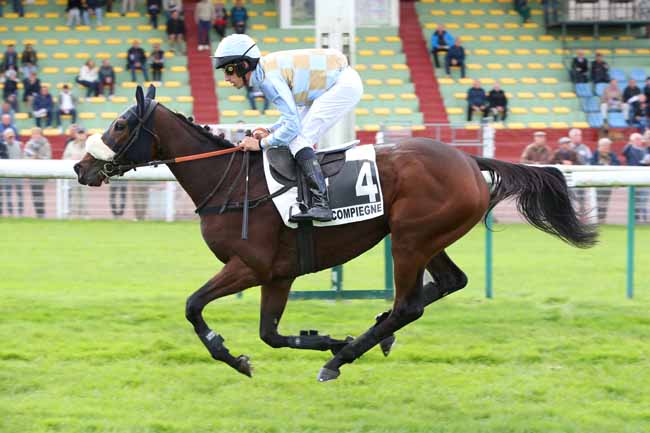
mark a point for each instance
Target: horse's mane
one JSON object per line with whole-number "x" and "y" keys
{"x": 203, "y": 130}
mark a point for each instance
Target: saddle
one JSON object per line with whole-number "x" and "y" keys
{"x": 284, "y": 168}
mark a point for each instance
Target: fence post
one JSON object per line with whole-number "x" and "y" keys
{"x": 337, "y": 279}
{"x": 488, "y": 256}
{"x": 170, "y": 205}
{"x": 631, "y": 210}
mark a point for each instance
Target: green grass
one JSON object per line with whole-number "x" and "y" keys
{"x": 94, "y": 339}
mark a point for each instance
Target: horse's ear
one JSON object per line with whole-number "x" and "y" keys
{"x": 139, "y": 97}
{"x": 151, "y": 92}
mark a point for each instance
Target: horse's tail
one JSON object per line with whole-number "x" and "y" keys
{"x": 542, "y": 198}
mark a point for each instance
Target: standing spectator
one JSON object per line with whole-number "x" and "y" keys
{"x": 38, "y": 148}
{"x": 97, "y": 6}
{"x": 579, "y": 68}
{"x": 646, "y": 88}
{"x": 117, "y": 198}
{"x": 14, "y": 150}
{"x": 599, "y": 70}
{"x": 456, "y": 57}
{"x": 31, "y": 87}
{"x": 176, "y": 32}
{"x": 204, "y": 15}
{"x": 10, "y": 89}
{"x": 5, "y": 108}
{"x": 74, "y": 12}
{"x": 157, "y": 61}
{"x": 476, "y": 100}
{"x": 441, "y": 40}
{"x": 498, "y": 103}
{"x": 611, "y": 100}
{"x": 522, "y": 8}
{"x": 604, "y": 156}
{"x": 28, "y": 61}
{"x": 89, "y": 78}
{"x": 154, "y": 8}
{"x": 220, "y": 19}
{"x": 76, "y": 149}
{"x": 7, "y": 123}
{"x": 564, "y": 154}
{"x": 170, "y": 6}
{"x": 253, "y": 94}
{"x": 43, "y": 107}
{"x": 537, "y": 152}
{"x": 636, "y": 154}
{"x": 67, "y": 105}
{"x": 640, "y": 113}
{"x": 128, "y": 6}
{"x": 9, "y": 59}
{"x": 239, "y": 17}
{"x": 106, "y": 78}
{"x": 136, "y": 59}
{"x": 583, "y": 151}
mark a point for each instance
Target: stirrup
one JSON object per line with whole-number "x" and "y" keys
{"x": 315, "y": 213}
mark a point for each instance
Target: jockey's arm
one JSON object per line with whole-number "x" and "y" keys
{"x": 288, "y": 127}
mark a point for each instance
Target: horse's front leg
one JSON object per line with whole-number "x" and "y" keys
{"x": 233, "y": 278}
{"x": 274, "y": 299}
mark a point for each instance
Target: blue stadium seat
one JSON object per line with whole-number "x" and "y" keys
{"x": 638, "y": 74}
{"x": 600, "y": 87}
{"x": 590, "y": 104}
{"x": 615, "y": 119}
{"x": 617, "y": 74}
{"x": 583, "y": 90}
{"x": 595, "y": 120}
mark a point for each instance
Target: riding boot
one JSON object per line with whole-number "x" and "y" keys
{"x": 313, "y": 175}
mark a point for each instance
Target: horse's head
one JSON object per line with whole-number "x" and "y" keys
{"x": 128, "y": 140}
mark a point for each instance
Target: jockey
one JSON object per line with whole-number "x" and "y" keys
{"x": 312, "y": 88}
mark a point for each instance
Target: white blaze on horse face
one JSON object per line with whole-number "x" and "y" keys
{"x": 98, "y": 149}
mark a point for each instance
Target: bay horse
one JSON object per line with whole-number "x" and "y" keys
{"x": 433, "y": 195}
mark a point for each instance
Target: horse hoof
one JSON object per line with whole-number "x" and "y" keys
{"x": 387, "y": 344}
{"x": 244, "y": 365}
{"x": 325, "y": 374}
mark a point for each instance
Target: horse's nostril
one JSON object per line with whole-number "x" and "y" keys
{"x": 77, "y": 167}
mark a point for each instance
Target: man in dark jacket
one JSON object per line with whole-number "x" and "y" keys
{"x": 239, "y": 17}
{"x": 441, "y": 40}
{"x": 640, "y": 113}
{"x": 43, "y": 107}
{"x": 136, "y": 59}
{"x": 579, "y": 68}
{"x": 456, "y": 57}
{"x": 497, "y": 103}
{"x": 599, "y": 70}
{"x": 106, "y": 76}
{"x": 175, "y": 32}
{"x": 31, "y": 87}
{"x": 476, "y": 100}
{"x": 10, "y": 59}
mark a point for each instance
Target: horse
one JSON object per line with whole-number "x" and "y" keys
{"x": 433, "y": 195}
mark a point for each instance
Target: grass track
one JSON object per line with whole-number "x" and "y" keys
{"x": 94, "y": 340}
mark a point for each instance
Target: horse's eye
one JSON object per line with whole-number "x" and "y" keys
{"x": 119, "y": 126}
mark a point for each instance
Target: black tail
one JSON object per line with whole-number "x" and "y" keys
{"x": 542, "y": 198}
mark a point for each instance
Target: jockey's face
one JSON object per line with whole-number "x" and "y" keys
{"x": 231, "y": 76}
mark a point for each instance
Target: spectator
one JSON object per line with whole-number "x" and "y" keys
{"x": 204, "y": 16}
{"x": 154, "y": 8}
{"x": 522, "y": 8}
{"x": 239, "y": 17}
{"x": 599, "y": 70}
{"x": 67, "y": 105}
{"x": 497, "y": 103}
{"x": 136, "y": 59}
{"x": 14, "y": 151}
{"x": 611, "y": 100}
{"x": 31, "y": 87}
{"x": 579, "y": 68}
{"x": 128, "y": 6}
{"x": 583, "y": 151}
{"x": 441, "y": 40}
{"x": 7, "y": 123}
{"x": 646, "y": 89}
{"x": 537, "y": 152}
{"x": 9, "y": 59}
{"x": 220, "y": 19}
{"x": 28, "y": 61}
{"x": 564, "y": 154}
{"x": 603, "y": 156}
{"x": 17, "y": 6}
{"x": 89, "y": 78}
{"x": 476, "y": 100}
{"x": 640, "y": 113}
{"x": 43, "y": 107}
{"x": 175, "y": 32}
{"x": 106, "y": 77}
{"x": 97, "y": 6}
{"x": 10, "y": 89}
{"x": 636, "y": 154}
{"x": 157, "y": 61}
{"x": 455, "y": 57}
{"x": 5, "y": 108}
{"x": 630, "y": 94}
{"x": 253, "y": 94}
{"x": 38, "y": 148}
{"x": 117, "y": 198}
{"x": 76, "y": 149}
{"x": 74, "y": 12}
{"x": 170, "y": 6}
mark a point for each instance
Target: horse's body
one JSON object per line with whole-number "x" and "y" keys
{"x": 433, "y": 195}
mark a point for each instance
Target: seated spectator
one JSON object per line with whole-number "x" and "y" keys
{"x": 5, "y": 108}
{"x": 9, "y": 59}
{"x": 204, "y": 16}
{"x": 31, "y": 87}
{"x": 599, "y": 70}
{"x": 239, "y": 17}
{"x": 89, "y": 78}
{"x": 43, "y": 106}
{"x": 476, "y": 100}
{"x": 612, "y": 99}
{"x": 7, "y": 123}
{"x": 220, "y": 21}
{"x": 441, "y": 40}
{"x": 522, "y": 8}
{"x": 38, "y": 148}
{"x": 169, "y": 6}
{"x": 67, "y": 105}
{"x": 579, "y": 68}
{"x": 97, "y": 7}
{"x": 583, "y": 151}
{"x": 106, "y": 77}
{"x": 564, "y": 154}
{"x": 630, "y": 94}
{"x": 604, "y": 156}
{"x": 175, "y": 32}
{"x": 497, "y": 103}
{"x": 253, "y": 94}
{"x": 154, "y": 7}
{"x": 28, "y": 61}
{"x": 646, "y": 89}
{"x": 636, "y": 154}
{"x": 157, "y": 61}
{"x": 10, "y": 89}
{"x": 14, "y": 151}
{"x": 136, "y": 59}
{"x": 640, "y": 113}
{"x": 537, "y": 152}
{"x": 455, "y": 57}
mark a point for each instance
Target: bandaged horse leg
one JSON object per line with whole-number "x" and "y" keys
{"x": 233, "y": 278}
{"x": 447, "y": 278}
{"x": 274, "y": 300}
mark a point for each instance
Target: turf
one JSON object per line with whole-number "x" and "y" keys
{"x": 94, "y": 339}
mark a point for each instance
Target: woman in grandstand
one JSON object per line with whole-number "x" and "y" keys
{"x": 89, "y": 78}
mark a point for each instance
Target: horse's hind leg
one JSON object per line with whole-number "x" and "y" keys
{"x": 274, "y": 300}
{"x": 447, "y": 278}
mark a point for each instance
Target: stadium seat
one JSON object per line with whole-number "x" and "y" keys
{"x": 600, "y": 87}
{"x": 583, "y": 90}
{"x": 617, "y": 74}
{"x": 590, "y": 104}
{"x": 638, "y": 74}
{"x": 615, "y": 119}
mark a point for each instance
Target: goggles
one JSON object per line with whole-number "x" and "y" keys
{"x": 230, "y": 69}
